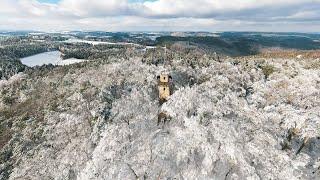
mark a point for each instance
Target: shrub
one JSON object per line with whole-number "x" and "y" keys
{"x": 313, "y": 65}
{"x": 267, "y": 70}
{"x": 5, "y": 136}
{"x": 8, "y": 100}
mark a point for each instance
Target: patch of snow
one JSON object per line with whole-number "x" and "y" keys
{"x": 69, "y": 61}
{"x": 73, "y": 40}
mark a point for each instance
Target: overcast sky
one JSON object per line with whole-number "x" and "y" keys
{"x": 161, "y": 15}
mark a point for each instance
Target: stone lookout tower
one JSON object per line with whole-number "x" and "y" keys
{"x": 164, "y": 82}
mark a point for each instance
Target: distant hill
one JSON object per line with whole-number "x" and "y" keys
{"x": 247, "y": 43}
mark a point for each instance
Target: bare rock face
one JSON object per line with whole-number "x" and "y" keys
{"x": 227, "y": 121}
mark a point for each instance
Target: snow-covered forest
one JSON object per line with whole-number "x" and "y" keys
{"x": 253, "y": 117}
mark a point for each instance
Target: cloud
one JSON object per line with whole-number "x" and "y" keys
{"x": 94, "y": 8}
{"x": 121, "y": 15}
{"x": 235, "y": 9}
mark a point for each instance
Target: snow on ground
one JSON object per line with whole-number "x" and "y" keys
{"x": 69, "y": 61}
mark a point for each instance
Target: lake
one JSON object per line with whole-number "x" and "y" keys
{"x": 53, "y": 57}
